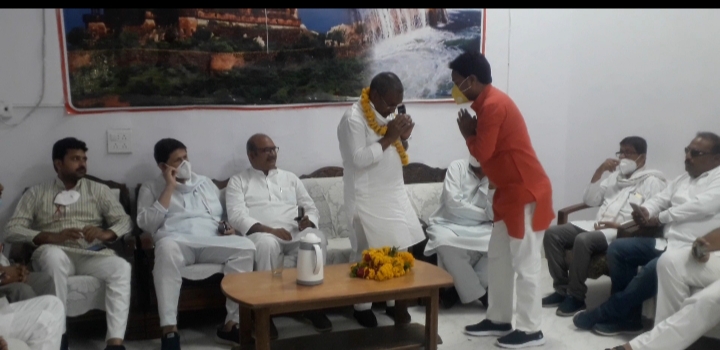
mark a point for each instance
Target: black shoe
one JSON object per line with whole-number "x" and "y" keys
{"x": 484, "y": 299}
{"x": 570, "y": 306}
{"x": 488, "y": 328}
{"x": 586, "y": 320}
{"x": 449, "y": 297}
{"x": 612, "y": 328}
{"x": 519, "y": 339}
{"x": 553, "y": 299}
{"x": 64, "y": 342}
{"x": 366, "y": 318}
{"x": 231, "y": 337}
{"x": 399, "y": 315}
{"x": 319, "y": 321}
{"x": 115, "y": 347}
{"x": 170, "y": 341}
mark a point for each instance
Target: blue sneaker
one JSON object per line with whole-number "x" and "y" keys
{"x": 586, "y": 320}
{"x": 615, "y": 328}
{"x": 519, "y": 339}
{"x": 570, "y": 306}
{"x": 488, "y": 328}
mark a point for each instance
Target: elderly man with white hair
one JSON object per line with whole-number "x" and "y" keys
{"x": 459, "y": 231}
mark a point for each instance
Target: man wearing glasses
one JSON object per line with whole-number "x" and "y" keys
{"x": 263, "y": 203}
{"x": 64, "y": 218}
{"x": 629, "y": 182}
{"x": 688, "y": 208}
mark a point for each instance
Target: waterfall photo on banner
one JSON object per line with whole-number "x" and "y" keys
{"x": 146, "y": 59}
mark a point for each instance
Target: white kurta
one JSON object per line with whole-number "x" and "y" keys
{"x": 193, "y": 215}
{"x": 272, "y": 200}
{"x": 464, "y": 219}
{"x": 614, "y": 195}
{"x": 38, "y": 322}
{"x": 689, "y": 208}
{"x": 374, "y": 186}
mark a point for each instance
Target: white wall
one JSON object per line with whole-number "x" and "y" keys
{"x": 582, "y": 78}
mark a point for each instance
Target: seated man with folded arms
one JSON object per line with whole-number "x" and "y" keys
{"x": 629, "y": 182}
{"x": 681, "y": 317}
{"x": 262, "y": 203}
{"x": 183, "y": 211}
{"x": 459, "y": 231}
{"x": 688, "y": 208}
{"x": 64, "y": 218}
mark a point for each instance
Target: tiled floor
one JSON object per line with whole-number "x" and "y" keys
{"x": 559, "y": 331}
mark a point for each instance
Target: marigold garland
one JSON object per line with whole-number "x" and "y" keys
{"x": 380, "y": 130}
{"x": 382, "y": 264}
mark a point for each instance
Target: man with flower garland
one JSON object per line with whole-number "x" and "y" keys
{"x": 373, "y": 141}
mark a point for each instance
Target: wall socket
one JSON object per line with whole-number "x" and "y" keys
{"x": 119, "y": 140}
{"x": 6, "y": 110}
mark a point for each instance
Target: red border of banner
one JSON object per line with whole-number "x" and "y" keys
{"x": 73, "y": 111}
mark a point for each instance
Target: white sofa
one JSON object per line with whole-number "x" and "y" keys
{"x": 328, "y": 196}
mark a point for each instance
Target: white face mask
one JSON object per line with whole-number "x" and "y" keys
{"x": 627, "y": 166}
{"x": 67, "y": 197}
{"x": 184, "y": 170}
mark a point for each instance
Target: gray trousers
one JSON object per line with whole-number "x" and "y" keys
{"x": 570, "y": 280}
{"x": 38, "y": 283}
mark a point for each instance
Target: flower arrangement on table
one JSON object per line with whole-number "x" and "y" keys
{"x": 382, "y": 264}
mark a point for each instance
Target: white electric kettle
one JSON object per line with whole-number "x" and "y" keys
{"x": 310, "y": 261}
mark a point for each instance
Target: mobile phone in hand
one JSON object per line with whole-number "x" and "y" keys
{"x": 636, "y": 207}
{"x": 301, "y": 214}
{"x": 401, "y": 109}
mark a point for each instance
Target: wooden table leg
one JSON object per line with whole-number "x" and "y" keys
{"x": 245, "y": 328}
{"x": 431, "y": 320}
{"x": 262, "y": 329}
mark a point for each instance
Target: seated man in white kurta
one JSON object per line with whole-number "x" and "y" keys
{"x": 64, "y": 218}
{"x": 183, "y": 211}
{"x": 263, "y": 203}
{"x": 459, "y": 231}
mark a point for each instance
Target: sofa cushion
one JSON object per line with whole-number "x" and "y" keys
{"x": 425, "y": 198}
{"x": 327, "y": 193}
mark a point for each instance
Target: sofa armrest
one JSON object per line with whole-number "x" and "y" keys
{"x": 565, "y": 212}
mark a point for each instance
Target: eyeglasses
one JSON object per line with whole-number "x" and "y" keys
{"x": 624, "y": 154}
{"x": 269, "y": 149}
{"x": 695, "y": 153}
{"x": 389, "y": 106}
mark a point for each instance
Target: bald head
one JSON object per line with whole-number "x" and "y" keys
{"x": 385, "y": 83}
{"x": 386, "y": 93}
{"x": 262, "y": 152}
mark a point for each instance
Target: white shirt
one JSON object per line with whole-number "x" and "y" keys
{"x": 374, "y": 185}
{"x": 193, "y": 216}
{"x": 614, "y": 195}
{"x": 272, "y": 200}
{"x": 689, "y": 208}
{"x": 465, "y": 199}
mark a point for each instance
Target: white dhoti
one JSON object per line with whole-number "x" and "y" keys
{"x": 38, "y": 322}
{"x": 463, "y": 257}
{"x": 269, "y": 247}
{"x": 682, "y": 319}
{"x": 235, "y": 253}
{"x": 508, "y": 256}
{"x": 114, "y": 271}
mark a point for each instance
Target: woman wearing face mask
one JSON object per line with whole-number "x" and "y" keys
{"x": 498, "y": 138}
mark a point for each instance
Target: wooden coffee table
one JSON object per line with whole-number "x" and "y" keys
{"x": 265, "y": 295}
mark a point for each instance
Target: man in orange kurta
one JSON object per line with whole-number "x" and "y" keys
{"x": 498, "y": 138}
